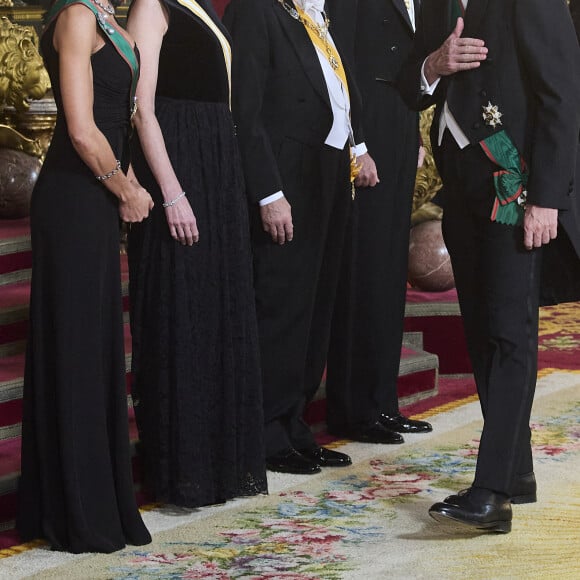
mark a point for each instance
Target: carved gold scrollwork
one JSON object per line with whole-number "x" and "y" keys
{"x": 28, "y": 117}
{"x": 22, "y": 72}
{"x": 428, "y": 181}
{"x": 38, "y": 122}
{"x": 11, "y": 139}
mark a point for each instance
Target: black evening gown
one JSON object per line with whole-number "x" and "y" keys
{"x": 196, "y": 376}
{"x": 76, "y": 488}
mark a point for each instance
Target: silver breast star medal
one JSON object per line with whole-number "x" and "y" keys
{"x": 491, "y": 115}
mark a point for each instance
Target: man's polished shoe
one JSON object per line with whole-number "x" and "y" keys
{"x": 524, "y": 490}
{"x": 375, "y": 433}
{"x": 402, "y": 424}
{"x": 290, "y": 461}
{"x": 475, "y": 509}
{"x": 326, "y": 457}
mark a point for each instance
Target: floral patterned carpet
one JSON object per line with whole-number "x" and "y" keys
{"x": 559, "y": 345}
{"x": 370, "y": 520}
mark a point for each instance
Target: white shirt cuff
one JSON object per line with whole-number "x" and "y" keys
{"x": 274, "y": 197}
{"x": 426, "y": 88}
{"x": 360, "y": 149}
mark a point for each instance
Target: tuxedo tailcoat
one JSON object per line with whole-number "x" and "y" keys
{"x": 283, "y": 114}
{"x": 532, "y": 75}
{"x": 365, "y": 351}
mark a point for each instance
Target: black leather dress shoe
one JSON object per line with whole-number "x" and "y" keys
{"x": 290, "y": 461}
{"x": 475, "y": 509}
{"x": 524, "y": 490}
{"x": 402, "y": 424}
{"x": 375, "y": 433}
{"x": 326, "y": 457}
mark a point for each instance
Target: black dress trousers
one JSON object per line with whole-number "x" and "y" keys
{"x": 498, "y": 284}
{"x": 296, "y": 285}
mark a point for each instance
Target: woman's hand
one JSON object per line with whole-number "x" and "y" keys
{"x": 135, "y": 206}
{"x": 182, "y": 222}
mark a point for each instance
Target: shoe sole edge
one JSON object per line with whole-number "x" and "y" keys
{"x": 294, "y": 472}
{"x": 500, "y": 527}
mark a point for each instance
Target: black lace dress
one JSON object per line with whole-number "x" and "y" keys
{"x": 196, "y": 377}
{"x": 76, "y": 488}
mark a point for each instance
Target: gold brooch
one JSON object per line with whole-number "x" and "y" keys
{"x": 491, "y": 115}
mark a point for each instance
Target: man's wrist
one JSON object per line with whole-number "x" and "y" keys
{"x": 429, "y": 75}
{"x": 271, "y": 198}
{"x": 360, "y": 149}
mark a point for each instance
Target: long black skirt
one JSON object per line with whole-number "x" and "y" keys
{"x": 197, "y": 387}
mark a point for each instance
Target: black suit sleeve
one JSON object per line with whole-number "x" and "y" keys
{"x": 248, "y": 25}
{"x": 549, "y": 51}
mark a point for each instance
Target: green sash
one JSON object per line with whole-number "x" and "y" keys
{"x": 510, "y": 182}
{"x": 457, "y": 10}
{"x": 120, "y": 43}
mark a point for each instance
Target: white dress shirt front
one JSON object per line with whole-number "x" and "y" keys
{"x": 410, "y": 4}
{"x": 339, "y": 101}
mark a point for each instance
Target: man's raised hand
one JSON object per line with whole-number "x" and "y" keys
{"x": 454, "y": 55}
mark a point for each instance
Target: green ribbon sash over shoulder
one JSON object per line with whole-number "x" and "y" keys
{"x": 510, "y": 182}
{"x": 121, "y": 44}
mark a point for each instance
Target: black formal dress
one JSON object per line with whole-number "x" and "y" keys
{"x": 363, "y": 361}
{"x": 196, "y": 374}
{"x": 76, "y": 488}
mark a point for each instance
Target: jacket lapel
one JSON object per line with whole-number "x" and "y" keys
{"x": 400, "y": 6}
{"x": 304, "y": 49}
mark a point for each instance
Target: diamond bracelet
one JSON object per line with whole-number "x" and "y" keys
{"x": 173, "y": 201}
{"x": 111, "y": 173}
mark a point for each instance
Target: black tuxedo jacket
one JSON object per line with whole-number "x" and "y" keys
{"x": 531, "y": 73}
{"x": 377, "y": 36}
{"x": 283, "y": 94}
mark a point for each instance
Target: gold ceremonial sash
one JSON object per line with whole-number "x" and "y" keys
{"x": 318, "y": 37}
{"x": 196, "y": 9}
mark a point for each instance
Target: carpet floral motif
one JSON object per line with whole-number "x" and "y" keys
{"x": 305, "y": 535}
{"x": 559, "y": 328}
